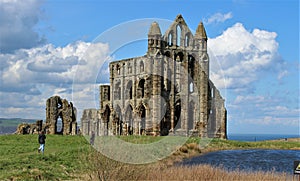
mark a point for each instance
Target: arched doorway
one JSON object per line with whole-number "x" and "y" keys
{"x": 106, "y": 116}
{"x": 129, "y": 120}
{"x": 59, "y": 126}
{"x": 142, "y": 113}
{"x": 177, "y": 111}
{"x": 118, "y": 121}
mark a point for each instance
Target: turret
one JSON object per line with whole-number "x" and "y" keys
{"x": 201, "y": 46}
{"x": 154, "y": 39}
{"x": 201, "y": 38}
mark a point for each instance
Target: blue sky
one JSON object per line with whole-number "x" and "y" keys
{"x": 254, "y": 43}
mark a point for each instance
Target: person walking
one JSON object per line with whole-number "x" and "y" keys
{"x": 92, "y": 139}
{"x": 41, "y": 139}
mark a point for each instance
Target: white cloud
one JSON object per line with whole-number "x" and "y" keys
{"x": 242, "y": 56}
{"x": 17, "y": 21}
{"x": 282, "y": 74}
{"x": 263, "y": 110}
{"x": 30, "y": 76}
{"x": 218, "y": 18}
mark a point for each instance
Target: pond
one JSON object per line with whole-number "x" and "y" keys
{"x": 249, "y": 160}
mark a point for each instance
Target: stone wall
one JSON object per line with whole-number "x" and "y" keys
{"x": 60, "y": 119}
{"x": 90, "y": 122}
{"x": 166, "y": 91}
{"x": 34, "y": 128}
{"x": 60, "y": 116}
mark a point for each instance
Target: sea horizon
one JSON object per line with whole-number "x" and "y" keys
{"x": 259, "y": 137}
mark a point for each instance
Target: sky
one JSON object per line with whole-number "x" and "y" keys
{"x": 59, "y": 47}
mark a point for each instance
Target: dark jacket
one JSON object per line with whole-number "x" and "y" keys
{"x": 42, "y": 138}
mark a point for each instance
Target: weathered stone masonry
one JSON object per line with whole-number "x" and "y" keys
{"x": 58, "y": 109}
{"x": 60, "y": 119}
{"x": 167, "y": 91}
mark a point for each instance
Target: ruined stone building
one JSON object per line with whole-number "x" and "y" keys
{"x": 60, "y": 116}
{"x": 60, "y": 119}
{"x": 165, "y": 92}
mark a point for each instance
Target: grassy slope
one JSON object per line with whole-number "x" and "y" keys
{"x": 68, "y": 157}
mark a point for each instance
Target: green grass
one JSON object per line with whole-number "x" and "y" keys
{"x": 20, "y": 160}
{"x": 230, "y": 144}
{"x": 140, "y": 139}
{"x": 68, "y": 157}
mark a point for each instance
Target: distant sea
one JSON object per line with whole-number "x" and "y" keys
{"x": 259, "y": 137}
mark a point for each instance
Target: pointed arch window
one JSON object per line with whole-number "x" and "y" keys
{"x": 141, "y": 88}
{"x": 118, "y": 69}
{"x": 170, "y": 39}
{"x": 178, "y": 35}
{"x": 187, "y": 40}
{"x": 141, "y": 66}
{"x": 129, "y": 90}
{"x": 129, "y": 68}
{"x": 191, "y": 87}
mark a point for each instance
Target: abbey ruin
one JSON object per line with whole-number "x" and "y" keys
{"x": 60, "y": 119}
{"x": 165, "y": 92}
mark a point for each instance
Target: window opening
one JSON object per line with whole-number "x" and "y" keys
{"x": 170, "y": 38}
{"x": 178, "y": 35}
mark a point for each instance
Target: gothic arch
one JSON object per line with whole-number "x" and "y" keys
{"x": 117, "y": 93}
{"x": 178, "y": 34}
{"x": 187, "y": 39}
{"x": 170, "y": 38}
{"x": 118, "y": 68}
{"x": 117, "y": 120}
{"x": 142, "y": 67}
{"x": 106, "y": 119}
{"x": 129, "y": 119}
{"x": 141, "y": 89}
{"x": 177, "y": 112}
{"x": 59, "y": 125}
{"x": 106, "y": 114}
{"x": 142, "y": 118}
{"x": 191, "y": 68}
{"x": 179, "y": 56}
{"x": 129, "y": 90}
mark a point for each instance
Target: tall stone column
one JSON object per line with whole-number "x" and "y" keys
{"x": 157, "y": 74}
{"x": 203, "y": 87}
{"x": 184, "y": 97}
{"x": 172, "y": 97}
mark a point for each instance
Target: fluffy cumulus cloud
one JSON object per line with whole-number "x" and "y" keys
{"x": 239, "y": 57}
{"x": 18, "y": 19}
{"x": 218, "y": 18}
{"x": 30, "y": 76}
{"x": 246, "y": 64}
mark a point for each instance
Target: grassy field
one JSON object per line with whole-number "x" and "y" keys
{"x": 20, "y": 160}
{"x": 72, "y": 158}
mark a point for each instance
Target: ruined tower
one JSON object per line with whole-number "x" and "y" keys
{"x": 60, "y": 116}
{"x": 166, "y": 91}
